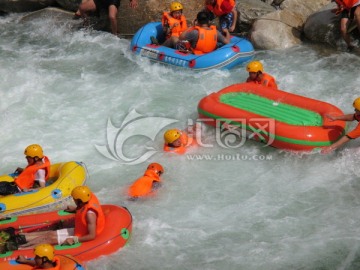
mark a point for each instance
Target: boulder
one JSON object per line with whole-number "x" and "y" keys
{"x": 282, "y": 29}
{"x": 71, "y": 5}
{"x": 25, "y": 5}
{"x": 323, "y": 26}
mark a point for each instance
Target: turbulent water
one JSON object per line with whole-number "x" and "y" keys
{"x": 84, "y": 97}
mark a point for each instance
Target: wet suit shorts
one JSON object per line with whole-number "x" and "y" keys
{"x": 104, "y": 4}
{"x": 349, "y": 14}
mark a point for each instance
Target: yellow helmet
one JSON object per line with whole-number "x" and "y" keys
{"x": 82, "y": 193}
{"x": 34, "y": 150}
{"x": 254, "y": 66}
{"x": 174, "y": 6}
{"x": 44, "y": 250}
{"x": 172, "y": 135}
{"x": 356, "y": 104}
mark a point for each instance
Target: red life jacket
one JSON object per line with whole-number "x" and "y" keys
{"x": 221, "y": 7}
{"x": 207, "y": 40}
{"x": 182, "y": 148}
{"x": 169, "y": 20}
{"x": 56, "y": 267}
{"x": 26, "y": 179}
{"x": 348, "y": 4}
{"x": 81, "y": 226}
{"x": 143, "y": 185}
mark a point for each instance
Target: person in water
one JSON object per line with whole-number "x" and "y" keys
{"x": 148, "y": 183}
{"x": 200, "y": 39}
{"x": 36, "y": 172}
{"x": 175, "y": 141}
{"x": 89, "y": 222}
{"x": 225, "y": 10}
{"x": 44, "y": 258}
{"x": 355, "y": 133}
{"x": 173, "y": 23}
{"x": 258, "y": 76}
{"x": 111, "y": 6}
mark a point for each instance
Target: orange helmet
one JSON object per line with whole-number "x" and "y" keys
{"x": 156, "y": 167}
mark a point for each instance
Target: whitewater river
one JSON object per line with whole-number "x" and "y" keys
{"x": 84, "y": 97}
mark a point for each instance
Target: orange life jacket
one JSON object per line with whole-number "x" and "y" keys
{"x": 81, "y": 226}
{"x": 266, "y": 80}
{"x": 56, "y": 267}
{"x": 26, "y": 179}
{"x": 143, "y": 185}
{"x": 348, "y": 4}
{"x": 207, "y": 40}
{"x": 169, "y": 20}
{"x": 221, "y": 7}
{"x": 182, "y": 148}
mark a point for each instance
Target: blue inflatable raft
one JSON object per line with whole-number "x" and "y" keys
{"x": 237, "y": 52}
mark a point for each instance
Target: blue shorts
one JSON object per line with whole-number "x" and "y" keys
{"x": 226, "y": 20}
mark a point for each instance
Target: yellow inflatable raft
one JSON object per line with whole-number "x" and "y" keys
{"x": 56, "y": 195}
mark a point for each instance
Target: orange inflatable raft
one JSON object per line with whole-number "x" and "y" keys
{"x": 66, "y": 263}
{"x": 118, "y": 227}
{"x": 280, "y": 119}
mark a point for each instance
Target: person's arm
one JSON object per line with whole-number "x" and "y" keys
{"x": 91, "y": 225}
{"x": 232, "y": 27}
{"x": 336, "y": 145}
{"x": 344, "y": 117}
{"x": 21, "y": 259}
{"x": 225, "y": 39}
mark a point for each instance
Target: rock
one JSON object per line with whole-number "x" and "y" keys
{"x": 280, "y": 29}
{"x": 24, "y": 5}
{"x": 323, "y": 26}
{"x": 71, "y": 5}
{"x": 250, "y": 10}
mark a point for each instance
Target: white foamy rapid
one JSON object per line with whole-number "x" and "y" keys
{"x": 267, "y": 209}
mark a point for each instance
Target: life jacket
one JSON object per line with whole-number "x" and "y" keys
{"x": 143, "y": 185}
{"x": 207, "y": 40}
{"x": 26, "y": 179}
{"x": 56, "y": 267}
{"x": 169, "y": 20}
{"x": 81, "y": 226}
{"x": 221, "y": 7}
{"x": 266, "y": 80}
{"x": 182, "y": 148}
{"x": 348, "y": 4}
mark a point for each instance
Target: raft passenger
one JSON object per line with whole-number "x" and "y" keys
{"x": 355, "y": 133}
{"x": 200, "y": 39}
{"x": 44, "y": 258}
{"x": 173, "y": 23}
{"x": 258, "y": 76}
{"x": 89, "y": 222}
{"x": 36, "y": 172}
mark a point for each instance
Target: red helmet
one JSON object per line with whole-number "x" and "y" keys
{"x": 156, "y": 167}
